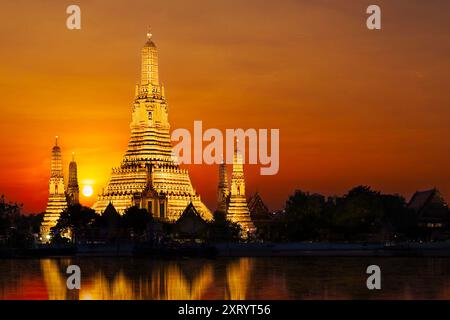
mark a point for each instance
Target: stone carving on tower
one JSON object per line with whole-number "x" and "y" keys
{"x": 237, "y": 210}
{"x": 73, "y": 190}
{"x": 57, "y": 201}
{"x": 149, "y": 176}
{"x": 222, "y": 190}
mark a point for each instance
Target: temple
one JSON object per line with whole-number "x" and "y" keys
{"x": 260, "y": 215}
{"x": 222, "y": 189}
{"x": 149, "y": 176}
{"x": 73, "y": 190}
{"x": 430, "y": 208}
{"x": 233, "y": 201}
{"x": 57, "y": 201}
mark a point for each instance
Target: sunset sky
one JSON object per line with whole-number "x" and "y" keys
{"x": 353, "y": 106}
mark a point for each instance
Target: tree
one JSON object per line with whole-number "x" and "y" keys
{"x": 9, "y": 213}
{"x": 302, "y": 219}
{"x": 137, "y": 220}
{"x": 221, "y": 229}
{"x": 402, "y": 220}
{"x": 15, "y": 228}
{"x": 35, "y": 221}
{"x": 73, "y": 222}
{"x": 109, "y": 224}
{"x": 360, "y": 211}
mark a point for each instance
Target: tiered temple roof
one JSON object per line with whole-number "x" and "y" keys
{"x": 73, "y": 190}
{"x": 190, "y": 224}
{"x": 258, "y": 210}
{"x": 237, "y": 210}
{"x": 432, "y": 210}
{"x": 57, "y": 201}
{"x": 149, "y": 176}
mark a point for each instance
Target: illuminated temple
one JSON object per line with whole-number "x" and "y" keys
{"x": 233, "y": 201}
{"x": 149, "y": 176}
{"x": 57, "y": 200}
{"x": 73, "y": 191}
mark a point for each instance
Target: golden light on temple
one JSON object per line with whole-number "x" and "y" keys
{"x": 148, "y": 176}
{"x": 333, "y": 92}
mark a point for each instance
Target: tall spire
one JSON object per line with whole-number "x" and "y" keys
{"x": 73, "y": 190}
{"x": 149, "y": 177}
{"x": 149, "y": 65}
{"x": 237, "y": 206}
{"x": 56, "y": 163}
{"x": 238, "y": 166}
{"x": 222, "y": 189}
{"x": 150, "y": 106}
{"x": 57, "y": 201}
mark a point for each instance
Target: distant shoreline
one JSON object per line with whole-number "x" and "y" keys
{"x": 439, "y": 249}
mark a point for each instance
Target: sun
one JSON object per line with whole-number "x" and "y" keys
{"x": 88, "y": 191}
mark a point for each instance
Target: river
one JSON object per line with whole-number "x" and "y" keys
{"x": 225, "y": 278}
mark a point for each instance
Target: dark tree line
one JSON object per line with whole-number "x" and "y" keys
{"x": 16, "y": 230}
{"x": 360, "y": 215}
{"x": 81, "y": 224}
{"x": 222, "y": 230}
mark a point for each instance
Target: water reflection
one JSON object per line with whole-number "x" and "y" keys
{"x": 239, "y": 278}
{"x": 54, "y": 282}
{"x": 161, "y": 280}
{"x": 238, "y": 275}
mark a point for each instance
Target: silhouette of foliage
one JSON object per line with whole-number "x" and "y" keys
{"x": 75, "y": 221}
{"x": 220, "y": 229}
{"x": 357, "y": 216}
{"x": 109, "y": 226}
{"x": 16, "y": 230}
{"x": 137, "y": 220}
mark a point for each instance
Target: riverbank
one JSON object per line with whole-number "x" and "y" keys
{"x": 441, "y": 249}
{"x": 334, "y": 250}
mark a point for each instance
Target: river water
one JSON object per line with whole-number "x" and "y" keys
{"x": 225, "y": 278}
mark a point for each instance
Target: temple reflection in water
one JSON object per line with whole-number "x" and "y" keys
{"x": 224, "y": 278}
{"x": 164, "y": 280}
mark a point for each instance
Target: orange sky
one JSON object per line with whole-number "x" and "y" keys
{"x": 353, "y": 106}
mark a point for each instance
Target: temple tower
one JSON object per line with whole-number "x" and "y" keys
{"x": 149, "y": 176}
{"x": 57, "y": 201}
{"x": 237, "y": 207}
{"x": 149, "y": 64}
{"x": 222, "y": 189}
{"x": 73, "y": 190}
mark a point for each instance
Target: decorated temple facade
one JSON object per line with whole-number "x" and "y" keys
{"x": 237, "y": 210}
{"x": 57, "y": 200}
{"x": 223, "y": 192}
{"x": 73, "y": 190}
{"x": 149, "y": 176}
{"x": 233, "y": 201}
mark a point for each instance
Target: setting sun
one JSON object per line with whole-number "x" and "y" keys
{"x": 88, "y": 191}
